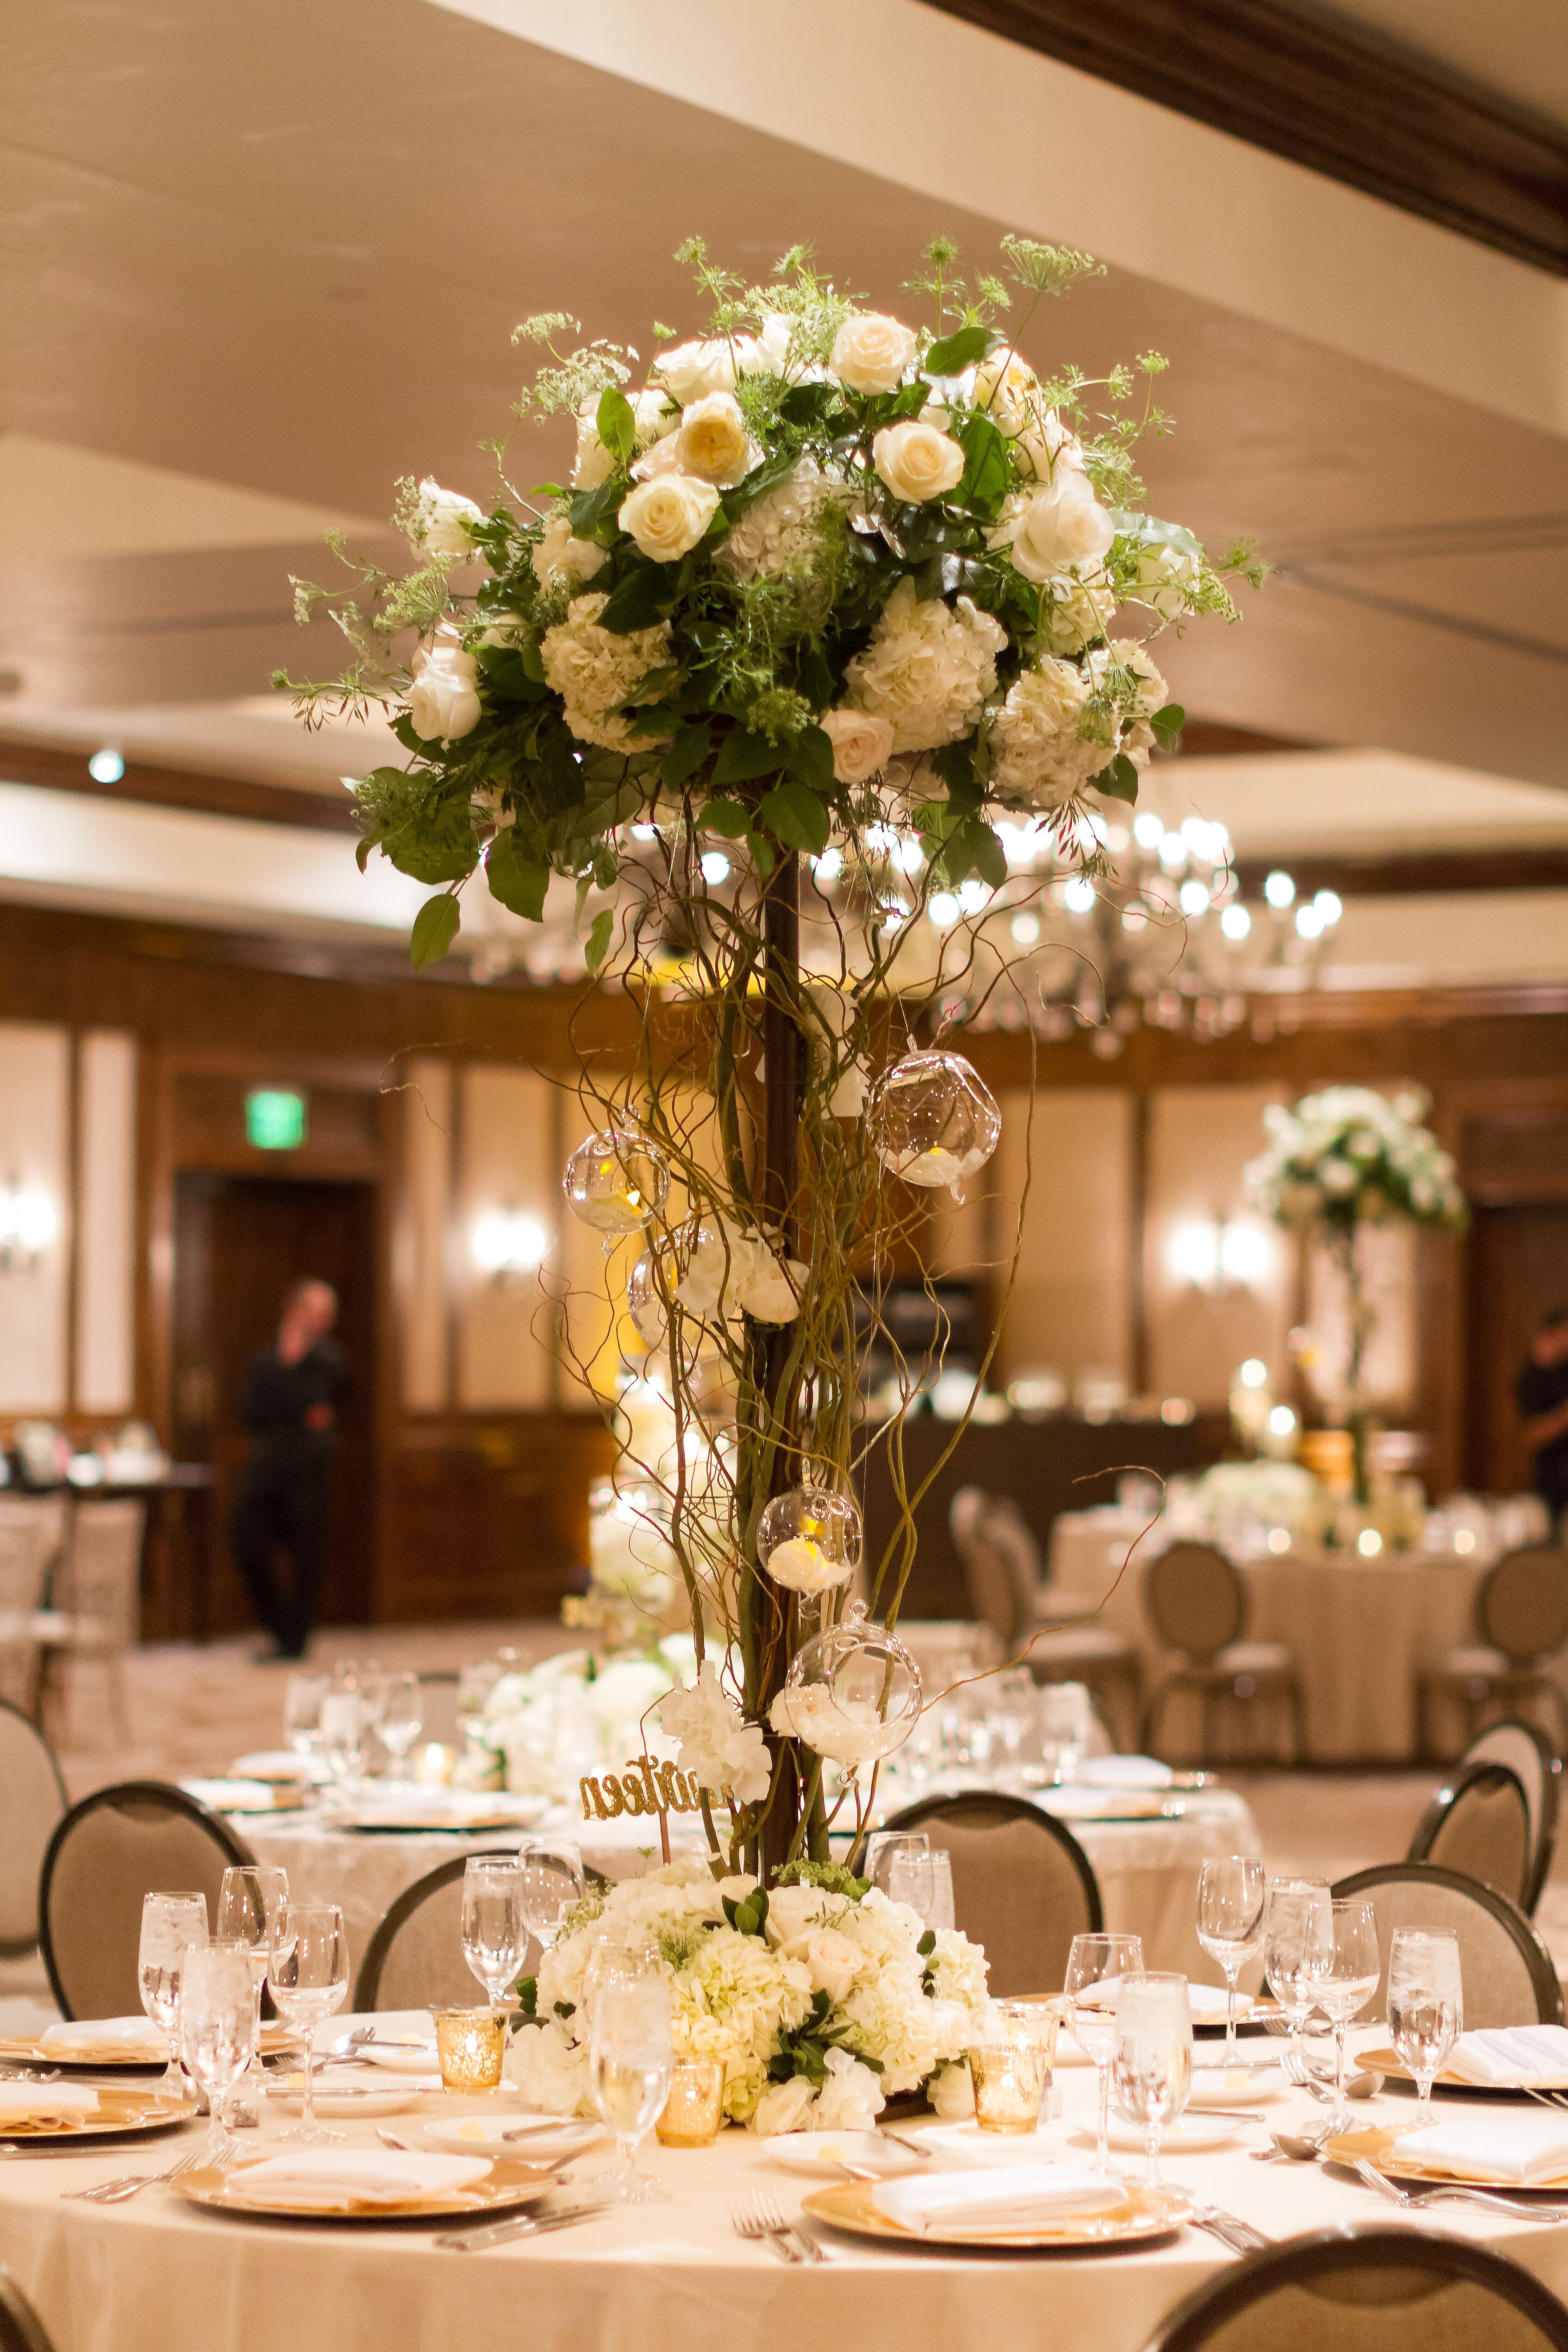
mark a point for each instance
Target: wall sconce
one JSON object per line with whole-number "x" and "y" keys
{"x": 1221, "y": 1255}
{"x": 509, "y": 1244}
{"x": 27, "y": 1223}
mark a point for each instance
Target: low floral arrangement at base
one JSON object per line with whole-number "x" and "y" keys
{"x": 822, "y": 1996}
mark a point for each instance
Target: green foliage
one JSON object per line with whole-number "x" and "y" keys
{"x": 518, "y": 881}
{"x": 434, "y": 927}
{"x": 749, "y": 1915}
{"x": 833, "y": 1877}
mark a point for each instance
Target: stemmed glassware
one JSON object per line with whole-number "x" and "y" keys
{"x": 1152, "y": 2061}
{"x": 899, "y": 1862}
{"x": 631, "y": 2061}
{"x": 309, "y": 1976}
{"x": 1097, "y": 1963}
{"x": 343, "y": 1722}
{"x": 553, "y": 1885}
{"x": 1343, "y": 1971}
{"x": 171, "y": 1925}
{"x": 1295, "y": 1925}
{"x": 251, "y": 1905}
{"x": 302, "y": 1713}
{"x": 1426, "y": 2006}
{"x": 401, "y": 1719}
{"x": 495, "y": 1923}
{"x": 217, "y": 2028}
{"x": 1063, "y": 1720}
{"x": 1230, "y": 1892}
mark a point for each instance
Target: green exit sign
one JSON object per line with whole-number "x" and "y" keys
{"x": 274, "y": 1119}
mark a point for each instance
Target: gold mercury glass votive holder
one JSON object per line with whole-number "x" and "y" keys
{"x": 694, "y": 2108}
{"x": 1009, "y": 2069}
{"x": 470, "y": 2044}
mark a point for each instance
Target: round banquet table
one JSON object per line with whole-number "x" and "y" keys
{"x": 1363, "y": 1631}
{"x": 158, "y": 2275}
{"x": 1147, "y": 1870}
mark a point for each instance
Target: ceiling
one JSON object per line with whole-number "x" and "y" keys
{"x": 1518, "y": 48}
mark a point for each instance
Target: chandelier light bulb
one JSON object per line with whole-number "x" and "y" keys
{"x": 715, "y": 867}
{"x": 944, "y": 910}
{"x": 1278, "y": 889}
{"x": 1254, "y": 1373}
{"x": 106, "y": 767}
{"x": 1078, "y": 895}
{"x": 1025, "y": 929}
{"x": 1309, "y": 923}
{"x": 1330, "y": 906}
{"x": 1148, "y": 830}
{"x": 1236, "y": 922}
{"x": 1194, "y": 899}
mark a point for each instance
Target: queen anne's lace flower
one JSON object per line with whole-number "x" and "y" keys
{"x": 594, "y": 672}
{"x": 1038, "y": 757}
{"x": 927, "y": 669}
{"x": 717, "y": 1745}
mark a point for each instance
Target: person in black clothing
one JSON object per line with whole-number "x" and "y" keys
{"x": 1543, "y": 1394}
{"x": 289, "y": 1403}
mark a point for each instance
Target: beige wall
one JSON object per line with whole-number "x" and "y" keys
{"x": 35, "y": 1095}
{"x": 106, "y": 1222}
{"x": 1200, "y": 1138}
{"x": 508, "y": 1160}
{"x": 1067, "y": 1173}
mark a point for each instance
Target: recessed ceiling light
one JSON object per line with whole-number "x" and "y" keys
{"x": 106, "y": 767}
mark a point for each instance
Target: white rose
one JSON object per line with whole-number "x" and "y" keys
{"x": 692, "y": 369}
{"x": 713, "y": 443}
{"x": 917, "y": 461}
{"x": 1167, "y": 577}
{"x": 559, "y": 556}
{"x": 793, "y": 1913}
{"x": 951, "y": 2093}
{"x": 1043, "y": 444}
{"x": 654, "y": 415}
{"x": 1003, "y": 387}
{"x": 834, "y": 1963}
{"x": 1054, "y": 527}
{"x": 441, "y": 522}
{"x": 870, "y": 351}
{"x": 783, "y": 2107}
{"x": 444, "y": 700}
{"x": 668, "y": 516}
{"x": 851, "y": 2098}
{"x": 862, "y": 743}
{"x": 594, "y": 462}
{"x": 773, "y": 344}
{"x": 770, "y": 1293}
{"x": 1338, "y": 1177}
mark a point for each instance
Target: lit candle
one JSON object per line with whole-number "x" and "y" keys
{"x": 694, "y": 2108}
{"x": 470, "y": 2044}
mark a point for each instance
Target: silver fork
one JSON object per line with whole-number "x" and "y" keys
{"x": 773, "y": 2220}
{"x": 130, "y": 2184}
{"x": 1547, "y": 2098}
{"x": 1417, "y": 2201}
{"x": 1296, "y": 2072}
{"x": 762, "y": 2221}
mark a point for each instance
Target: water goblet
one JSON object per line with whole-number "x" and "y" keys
{"x": 1065, "y": 1719}
{"x": 1230, "y": 1894}
{"x": 251, "y": 1905}
{"x": 309, "y": 1975}
{"x": 344, "y": 1722}
{"x": 217, "y": 2028}
{"x": 631, "y": 2063}
{"x": 495, "y": 1923}
{"x": 1295, "y": 1922}
{"x": 171, "y": 1925}
{"x": 1095, "y": 1966}
{"x": 553, "y": 1885}
{"x": 1342, "y": 1971}
{"x": 302, "y": 1712}
{"x": 899, "y": 1862}
{"x": 401, "y": 1719}
{"x": 1152, "y": 2059}
{"x": 1426, "y": 2006}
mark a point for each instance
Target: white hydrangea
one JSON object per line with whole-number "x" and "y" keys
{"x": 781, "y": 530}
{"x": 928, "y": 668}
{"x": 717, "y": 1745}
{"x": 1038, "y": 757}
{"x": 1080, "y": 611}
{"x": 1138, "y": 739}
{"x": 594, "y": 671}
{"x": 732, "y": 2003}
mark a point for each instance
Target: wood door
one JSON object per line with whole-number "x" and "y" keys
{"x": 239, "y": 1242}
{"x": 1517, "y": 1265}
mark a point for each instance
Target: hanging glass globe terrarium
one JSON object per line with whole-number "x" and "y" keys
{"x": 932, "y": 1120}
{"x": 808, "y": 1540}
{"x": 616, "y": 1179}
{"x": 853, "y": 1692}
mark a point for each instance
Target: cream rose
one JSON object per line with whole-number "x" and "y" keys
{"x": 834, "y": 1962}
{"x": 917, "y": 461}
{"x": 870, "y": 351}
{"x": 441, "y": 521}
{"x": 713, "y": 443}
{"x": 668, "y": 515}
{"x": 444, "y": 699}
{"x": 693, "y": 370}
{"x": 1055, "y": 528}
{"x": 861, "y": 741}
{"x": 561, "y": 557}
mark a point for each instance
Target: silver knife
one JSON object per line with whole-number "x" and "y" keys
{"x": 499, "y": 2233}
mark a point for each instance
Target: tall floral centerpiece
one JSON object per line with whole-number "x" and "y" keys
{"x": 1336, "y": 1163}
{"x": 825, "y": 594}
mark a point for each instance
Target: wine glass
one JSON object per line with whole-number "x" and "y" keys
{"x": 1230, "y": 1893}
{"x": 251, "y": 1904}
{"x": 1063, "y": 1719}
{"x": 401, "y": 1719}
{"x": 495, "y": 1924}
{"x": 1099, "y": 1962}
{"x": 343, "y": 1724}
{"x": 217, "y": 2028}
{"x": 630, "y": 2064}
{"x": 1152, "y": 2058}
{"x": 474, "y": 1684}
{"x": 1343, "y": 1970}
{"x": 1295, "y": 1921}
{"x": 302, "y": 1713}
{"x": 171, "y": 1924}
{"x": 309, "y": 1975}
{"x": 899, "y": 1862}
{"x": 1426, "y": 2006}
{"x": 623, "y": 1954}
{"x": 553, "y": 1885}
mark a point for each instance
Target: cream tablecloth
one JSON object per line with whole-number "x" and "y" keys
{"x": 155, "y": 2275}
{"x": 1362, "y": 1629}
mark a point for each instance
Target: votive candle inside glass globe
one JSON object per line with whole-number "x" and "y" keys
{"x": 616, "y": 1179}
{"x": 808, "y": 1540}
{"x": 853, "y": 1692}
{"x": 932, "y": 1120}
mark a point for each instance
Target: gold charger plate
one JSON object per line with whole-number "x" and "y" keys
{"x": 21, "y": 2049}
{"x": 1381, "y": 2150}
{"x": 118, "y": 2113}
{"x": 1146, "y": 2213}
{"x": 509, "y": 2183}
{"x": 1384, "y": 2062}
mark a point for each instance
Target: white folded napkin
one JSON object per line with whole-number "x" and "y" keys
{"x": 1123, "y": 1772}
{"x": 1515, "y": 2054}
{"x": 1505, "y": 2147}
{"x": 93, "y": 2034}
{"x": 18, "y": 2099}
{"x": 1207, "y": 2003}
{"x": 999, "y": 2203}
{"x": 327, "y": 2177}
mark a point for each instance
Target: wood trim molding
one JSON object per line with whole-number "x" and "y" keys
{"x": 182, "y": 787}
{"x": 1406, "y": 873}
{"x": 1341, "y": 99}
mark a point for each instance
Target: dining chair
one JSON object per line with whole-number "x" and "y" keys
{"x": 97, "y": 1589}
{"x": 1195, "y": 1602}
{"x": 27, "y": 1546}
{"x": 35, "y": 1800}
{"x": 1364, "y": 2286}
{"x": 1022, "y": 1885}
{"x": 21, "y": 2330}
{"x": 1479, "y": 1822}
{"x": 114, "y": 1847}
{"x": 1522, "y": 1620}
{"x": 1509, "y": 1977}
{"x": 1527, "y": 1751}
{"x": 1056, "y": 1638}
{"x": 414, "y": 1958}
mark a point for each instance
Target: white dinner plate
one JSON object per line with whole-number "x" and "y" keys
{"x": 1190, "y": 2135}
{"x": 537, "y": 2139}
{"x": 350, "y": 2094}
{"x": 1234, "y": 2086}
{"x": 818, "y": 2152}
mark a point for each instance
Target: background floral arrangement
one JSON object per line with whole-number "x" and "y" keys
{"x": 822, "y": 1998}
{"x": 576, "y": 1713}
